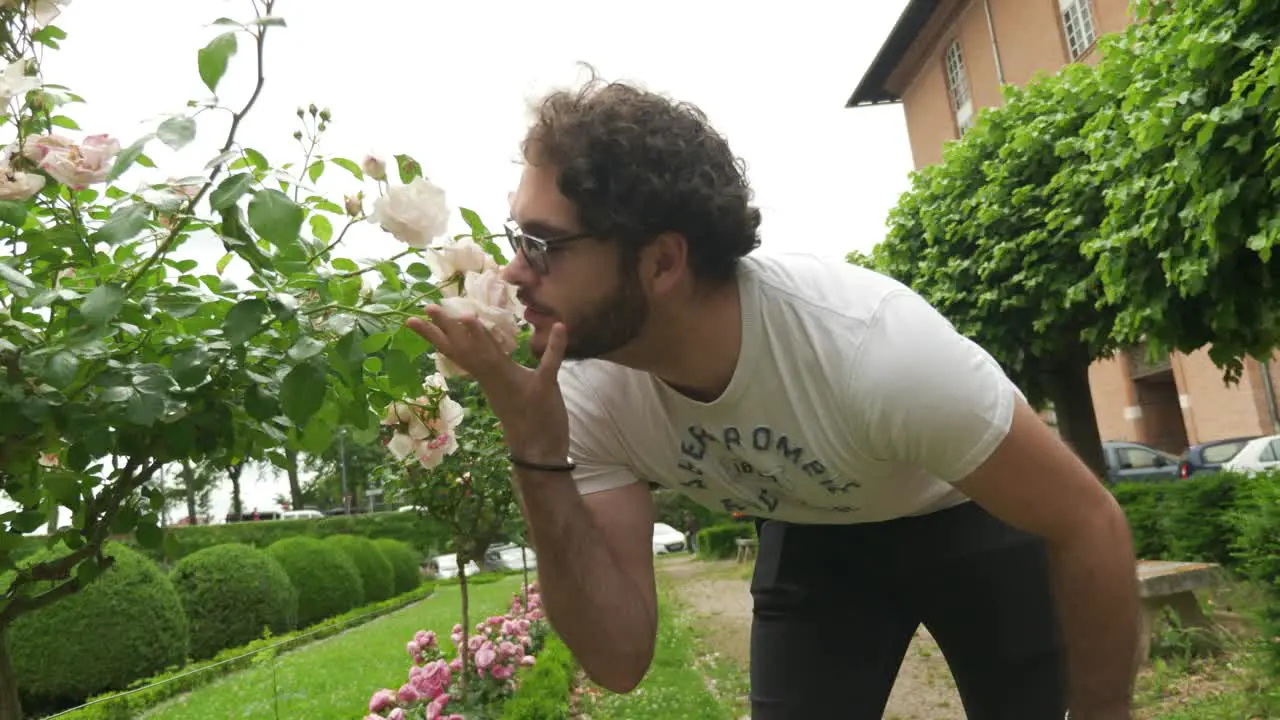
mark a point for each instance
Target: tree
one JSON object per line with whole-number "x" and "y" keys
{"x": 1186, "y": 158}
{"x": 992, "y": 236}
{"x": 118, "y": 358}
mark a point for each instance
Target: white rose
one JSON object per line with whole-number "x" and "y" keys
{"x": 500, "y": 322}
{"x": 14, "y": 81}
{"x": 19, "y": 186}
{"x": 457, "y": 258}
{"x": 415, "y": 214}
{"x": 488, "y": 288}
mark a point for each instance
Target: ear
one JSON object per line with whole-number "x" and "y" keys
{"x": 664, "y": 263}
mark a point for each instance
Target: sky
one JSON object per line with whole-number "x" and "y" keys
{"x": 450, "y": 84}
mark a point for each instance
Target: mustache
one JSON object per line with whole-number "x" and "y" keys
{"x": 530, "y": 303}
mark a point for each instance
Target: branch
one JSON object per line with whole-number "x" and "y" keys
{"x": 23, "y": 605}
{"x": 335, "y": 243}
{"x": 236, "y": 119}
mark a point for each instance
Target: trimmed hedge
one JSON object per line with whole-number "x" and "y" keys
{"x": 1227, "y": 518}
{"x": 127, "y": 623}
{"x": 719, "y": 541}
{"x": 406, "y": 566}
{"x": 328, "y": 583}
{"x": 376, "y": 574}
{"x": 231, "y": 593}
{"x": 545, "y": 688}
{"x": 118, "y": 706}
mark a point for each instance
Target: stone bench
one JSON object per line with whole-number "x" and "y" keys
{"x": 746, "y": 549}
{"x": 1171, "y": 584}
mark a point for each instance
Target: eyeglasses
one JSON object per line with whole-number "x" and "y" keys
{"x": 535, "y": 248}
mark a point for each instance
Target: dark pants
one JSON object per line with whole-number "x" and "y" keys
{"x": 837, "y": 605}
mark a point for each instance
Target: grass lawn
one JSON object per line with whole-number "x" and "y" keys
{"x": 333, "y": 679}
{"x": 682, "y": 683}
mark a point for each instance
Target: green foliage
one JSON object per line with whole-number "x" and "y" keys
{"x": 161, "y": 687}
{"x": 231, "y": 594}
{"x": 406, "y": 565}
{"x": 673, "y": 508}
{"x": 327, "y": 581}
{"x": 1257, "y": 519}
{"x": 720, "y": 541}
{"x": 1185, "y": 154}
{"x": 545, "y": 688}
{"x": 376, "y": 575}
{"x": 126, "y": 624}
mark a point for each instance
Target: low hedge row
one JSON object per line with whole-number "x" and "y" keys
{"x": 136, "y": 620}
{"x": 720, "y": 541}
{"x": 149, "y": 692}
{"x": 1227, "y": 518}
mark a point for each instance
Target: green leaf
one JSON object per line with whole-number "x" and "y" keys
{"x": 302, "y": 392}
{"x": 243, "y": 320}
{"x": 275, "y": 217}
{"x": 260, "y": 404}
{"x": 64, "y": 487}
{"x": 13, "y": 213}
{"x": 258, "y": 159}
{"x": 144, "y": 408}
{"x": 124, "y": 225}
{"x": 64, "y": 122}
{"x": 349, "y": 166}
{"x": 316, "y": 170}
{"x": 128, "y": 157}
{"x": 345, "y": 265}
{"x": 212, "y": 59}
{"x": 102, "y": 305}
{"x": 62, "y": 369}
{"x": 177, "y": 132}
{"x": 321, "y": 228}
{"x": 13, "y": 277}
{"x": 223, "y": 262}
{"x": 191, "y": 366}
{"x": 305, "y": 348}
{"x": 409, "y": 168}
{"x": 49, "y": 35}
{"x": 230, "y": 190}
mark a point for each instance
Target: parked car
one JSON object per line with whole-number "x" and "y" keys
{"x": 667, "y": 539}
{"x": 1210, "y": 456}
{"x": 1136, "y": 462}
{"x": 1258, "y": 455}
{"x": 508, "y": 557}
{"x": 446, "y": 566}
{"x": 304, "y": 514}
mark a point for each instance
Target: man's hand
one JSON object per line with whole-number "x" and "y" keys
{"x": 528, "y": 402}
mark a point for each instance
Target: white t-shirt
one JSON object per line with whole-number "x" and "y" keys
{"x": 853, "y": 401}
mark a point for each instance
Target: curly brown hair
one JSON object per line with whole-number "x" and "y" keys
{"x": 637, "y": 164}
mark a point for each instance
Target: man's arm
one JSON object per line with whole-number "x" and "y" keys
{"x": 595, "y": 571}
{"x": 1034, "y": 482}
{"x": 924, "y": 395}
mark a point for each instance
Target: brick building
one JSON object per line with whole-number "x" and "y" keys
{"x": 944, "y": 61}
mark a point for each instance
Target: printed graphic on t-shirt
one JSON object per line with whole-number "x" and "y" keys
{"x": 762, "y": 466}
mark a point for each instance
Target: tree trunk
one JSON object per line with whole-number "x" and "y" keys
{"x": 10, "y": 705}
{"x": 295, "y": 486}
{"x": 189, "y": 481}
{"x": 466, "y": 625}
{"x": 524, "y": 591}
{"x": 237, "y": 507}
{"x": 1073, "y": 405}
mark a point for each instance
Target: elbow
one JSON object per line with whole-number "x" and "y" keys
{"x": 623, "y": 674}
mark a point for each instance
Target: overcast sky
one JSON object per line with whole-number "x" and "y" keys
{"x": 450, "y": 82}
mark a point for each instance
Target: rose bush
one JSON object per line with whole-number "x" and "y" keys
{"x": 118, "y": 356}
{"x": 480, "y": 676}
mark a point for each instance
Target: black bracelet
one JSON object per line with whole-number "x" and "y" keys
{"x": 540, "y": 466}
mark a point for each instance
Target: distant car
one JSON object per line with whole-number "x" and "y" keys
{"x": 446, "y": 566}
{"x": 304, "y": 514}
{"x": 1136, "y": 462}
{"x": 1258, "y": 455}
{"x": 667, "y": 539}
{"x": 1210, "y": 456}
{"x": 508, "y": 557}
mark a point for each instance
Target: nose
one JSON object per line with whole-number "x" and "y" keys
{"x": 517, "y": 272}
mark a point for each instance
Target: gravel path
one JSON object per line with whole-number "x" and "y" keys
{"x": 717, "y": 593}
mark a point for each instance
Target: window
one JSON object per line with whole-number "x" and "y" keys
{"x": 1136, "y": 458}
{"x": 1271, "y": 453}
{"x": 1077, "y": 21}
{"x": 958, "y": 88}
{"x": 1222, "y": 452}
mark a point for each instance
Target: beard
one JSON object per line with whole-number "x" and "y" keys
{"x": 609, "y": 325}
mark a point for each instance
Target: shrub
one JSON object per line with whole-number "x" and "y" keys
{"x": 327, "y": 581}
{"x": 546, "y": 687}
{"x": 376, "y": 574}
{"x": 1257, "y": 548}
{"x": 230, "y": 594}
{"x": 125, "y": 625}
{"x": 719, "y": 541}
{"x": 406, "y": 567}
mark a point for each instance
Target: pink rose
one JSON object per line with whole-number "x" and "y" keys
{"x": 396, "y": 714}
{"x": 80, "y": 166}
{"x": 485, "y": 656}
{"x": 527, "y": 660}
{"x": 407, "y": 694}
{"x": 382, "y": 700}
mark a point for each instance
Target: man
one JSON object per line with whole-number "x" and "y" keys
{"x": 899, "y": 476}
